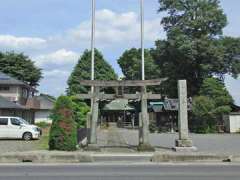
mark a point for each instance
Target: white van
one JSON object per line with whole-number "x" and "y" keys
{"x": 17, "y": 128}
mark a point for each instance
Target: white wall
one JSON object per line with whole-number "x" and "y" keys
{"x": 12, "y": 94}
{"x": 234, "y": 121}
{"x": 42, "y": 116}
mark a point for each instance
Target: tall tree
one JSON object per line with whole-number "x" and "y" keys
{"x": 214, "y": 89}
{"x": 194, "y": 18}
{"x": 208, "y": 108}
{"x": 21, "y": 67}
{"x": 82, "y": 71}
{"x": 130, "y": 63}
{"x": 194, "y": 48}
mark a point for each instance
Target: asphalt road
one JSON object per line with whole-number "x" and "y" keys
{"x": 120, "y": 172}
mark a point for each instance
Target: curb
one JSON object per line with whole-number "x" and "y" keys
{"x": 158, "y": 157}
{"x": 46, "y": 157}
{"x": 86, "y": 157}
{"x": 122, "y": 157}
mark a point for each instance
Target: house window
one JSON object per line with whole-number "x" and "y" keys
{"x": 3, "y": 121}
{"x": 25, "y": 93}
{"x": 4, "y": 88}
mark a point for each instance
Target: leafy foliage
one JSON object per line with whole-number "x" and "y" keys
{"x": 21, "y": 67}
{"x": 213, "y": 88}
{"x": 63, "y": 133}
{"x": 152, "y": 127}
{"x": 231, "y": 48}
{"x": 80, "y": 110}
{"x": 193, "y": 17}
{"x": 214, "y": 102}
{"x": 42, "y": 124}
{"x": 194, "y": 48}
{"x": 203, "y": 108}
{"x": 82, "y": 71}
{"x": 130, "y": 63}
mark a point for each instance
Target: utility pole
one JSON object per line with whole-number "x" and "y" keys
{"x": 93, "y": 46}
{"x": 93, "y": 41}
{"x": 142, "y": 38}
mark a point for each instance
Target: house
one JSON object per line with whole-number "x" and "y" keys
{"x": 43, "y": 109}
{"x": 18, "y": 99}
{"x": 165, "y": 113}
{"x": 8, "y": 108}
{"x": 232, "y": 121}
{"x": 14, "y": 90}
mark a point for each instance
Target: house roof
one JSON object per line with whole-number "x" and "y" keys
{"x": 46, "y": 102}
{"x": 235, "y": 108}
{"x": 41, "y": 102}
{"x": 171, "y": 104}
{"x": 118, "y": 105}
{"x": 6, "y": 104}
{"x": 167, "y": 105}
{"x": 9, "y": 80}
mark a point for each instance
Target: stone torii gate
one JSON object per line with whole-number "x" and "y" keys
{"x": 143, "y": 96}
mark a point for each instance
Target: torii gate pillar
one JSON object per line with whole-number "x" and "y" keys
{"x": 144, "y": 144}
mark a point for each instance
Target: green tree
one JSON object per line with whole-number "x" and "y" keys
{"x": 215, "y": 90}
{"x": 208, "y": 108}
{"x": 194, "y": 18}
{"x": 231, "y": 49}
{"x": 194, "y": 48}
{"x": 63, "y": 133}
{"x": 80, "y": 110}
{"x": 82, "y": 71}
{"x": 204, "y": 120}
{"x": 21, "y": 67}
{"x": 131, "y": 65}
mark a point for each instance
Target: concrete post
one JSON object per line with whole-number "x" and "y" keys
{"x": 92, "y": 144}
{"x": 144, "y": 119}
{"x": 93, "y": 138}
{"x": 140, "y": 133}
{"x": 184, "y": 142}
{"x": 89, "y": 117}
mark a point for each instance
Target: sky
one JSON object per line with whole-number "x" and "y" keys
{"x": 54, "y": 33}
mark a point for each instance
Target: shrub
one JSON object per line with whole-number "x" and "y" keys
{"x": 42, "y": 125}
{"x": 152, "y": 127}
{"x": 80, "y": 110}
{"x": 63, "y": 133}
{"x": 208, "y": 108}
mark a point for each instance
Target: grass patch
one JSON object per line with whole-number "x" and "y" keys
{"x": 43, "y": 142}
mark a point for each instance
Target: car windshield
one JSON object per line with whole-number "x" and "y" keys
{"x": 23, "y": 121}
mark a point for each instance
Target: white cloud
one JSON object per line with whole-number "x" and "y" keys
{"x": 59, "y": 57}
{"x": 55, "y": 53}
{"x": 112, "y": 27}
{"x": 13, "y": 42}
{"x": 56, "y": 73}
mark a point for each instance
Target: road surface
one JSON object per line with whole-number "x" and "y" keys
{"x": 120, "y": 172}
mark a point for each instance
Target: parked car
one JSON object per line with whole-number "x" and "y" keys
{"x": 18, "y": 128}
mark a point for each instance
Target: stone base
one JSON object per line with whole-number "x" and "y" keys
{"x": 183, "y": 143}
{"x": 185, "y": 149}
{"x": 92, "y": 147}
{"x": 145, "y": 148}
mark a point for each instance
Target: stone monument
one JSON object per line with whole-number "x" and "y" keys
{"x": 184, "y": 143}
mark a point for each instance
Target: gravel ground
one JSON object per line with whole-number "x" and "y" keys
{"x": 17, "y": 146}
{"x": 210, "y": 143}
